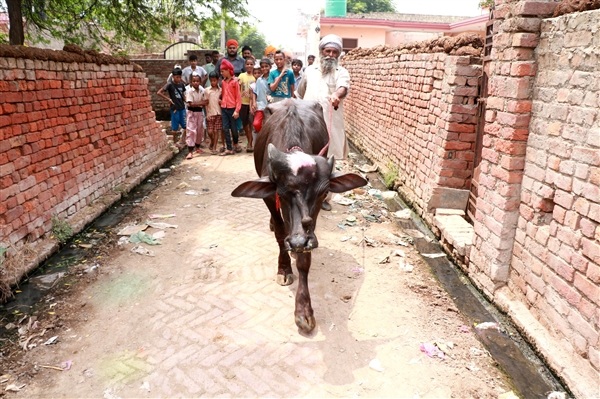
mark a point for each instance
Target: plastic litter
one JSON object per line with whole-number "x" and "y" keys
{"x": 51, "y": 340}
{"x": 161, "y": 225}
{"x": 340, "y": 199}
{"x": 129, "y": 230}
{"x": 375, "y": 193}
{"x": 405, "y": 267}
{"x": 431, "y": 350}
{"x": 375, "y": 364}
{"x": 488, "y": 325}
{"x": 164, "y": 170}
{"x": 182, "y": 185}
{"x": 365, "y": 168}
{"x": 192, "y": 192}
{"x": 159, "y": 216}
{"x": 507, "y": 395}
{"x": 433, "y": 256}
{"x": 138, "y": 249}
{"x": 196, "y": 178}
{"x": 557, "y": 395}
{"x": 389, "y": 195}
{"x": 402, "y": 214}
{"x": 145, "y": 386}
{"x": 14, "y": 387}
{"x": 140, "y": 236}
{"x": 159, "y": 235}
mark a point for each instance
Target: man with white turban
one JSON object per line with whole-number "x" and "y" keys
{"x": 328, "y": 83}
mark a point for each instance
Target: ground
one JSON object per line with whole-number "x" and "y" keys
{"x": 204, "y": 316}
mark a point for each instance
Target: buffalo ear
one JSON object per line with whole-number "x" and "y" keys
{"x": 345, "y": 182}
{"x": 261, "y": 188}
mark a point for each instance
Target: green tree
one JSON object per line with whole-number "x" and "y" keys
{"x": 367, "y": 6}
{"x": 112, "y": 22}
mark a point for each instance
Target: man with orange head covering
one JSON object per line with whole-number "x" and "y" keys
{"x": 233, "y": 57}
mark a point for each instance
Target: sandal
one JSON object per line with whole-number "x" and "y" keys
{"x": 189, "y": 156}
{"x": 222, "y": 149}
{"x": 226, "y": 152}
{"x": 249, "y": 149}
{"x": 199, "y": 151}
{"x": 238, "y": 148}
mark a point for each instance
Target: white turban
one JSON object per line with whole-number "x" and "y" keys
{"x": 331, "y": 41}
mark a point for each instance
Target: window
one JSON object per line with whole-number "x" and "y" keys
{"x": 349, "y": 44}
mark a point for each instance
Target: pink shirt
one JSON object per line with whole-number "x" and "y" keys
{"x": 231, "y": 97}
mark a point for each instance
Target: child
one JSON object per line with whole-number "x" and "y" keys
{"x": 296, "y": 68}
{"x": 193, "y": 68}
{"x": 176, "y": 90}
{"x": 214, "y": 123}
{"x": 246, "y": 79}
{"x": 281, "y": 80}
{"x": 195, "y": 99}
{"x": 231, "y": 102}
{"x": 261, "y": 90}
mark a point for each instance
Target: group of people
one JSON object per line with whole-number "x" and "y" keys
{"x": 229, "y": 94}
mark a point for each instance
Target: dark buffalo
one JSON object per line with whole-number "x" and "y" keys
{"x": 293, "y": 183}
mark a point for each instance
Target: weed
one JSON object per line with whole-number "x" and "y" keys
{"x": 389, "y": 178}
{"x": 61, "y": 230}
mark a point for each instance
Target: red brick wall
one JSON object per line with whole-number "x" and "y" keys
{"x": 555, "y": 266}
{"x": 70, "y": 133}
{"x": 536, "y": 250}
{"x": 416, "y": 112}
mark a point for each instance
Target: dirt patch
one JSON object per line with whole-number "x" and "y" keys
{"x": 204, "y": 316}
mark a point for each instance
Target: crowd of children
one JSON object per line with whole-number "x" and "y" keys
{"x": 221, "y": 103}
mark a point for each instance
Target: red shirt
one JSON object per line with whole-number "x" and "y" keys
{"x": 231, "y": 96}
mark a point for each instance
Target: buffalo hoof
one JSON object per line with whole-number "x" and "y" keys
{"x": 305, "y": 323}
{"x": 285, "y": 280}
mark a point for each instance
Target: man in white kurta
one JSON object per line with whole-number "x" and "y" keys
{"x": 328, "y": 83}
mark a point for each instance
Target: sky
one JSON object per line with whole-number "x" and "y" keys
{"x": 279, "y": 22}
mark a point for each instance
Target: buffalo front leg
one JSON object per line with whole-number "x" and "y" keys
{"x": 285, "y": 276}
{"x": 304, "y": 312}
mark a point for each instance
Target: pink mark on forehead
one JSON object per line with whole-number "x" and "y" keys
{"x": 298, "y": 159}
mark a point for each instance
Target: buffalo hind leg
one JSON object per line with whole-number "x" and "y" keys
{"x": 285, "y": 276}
{"x": 305, "y": 319}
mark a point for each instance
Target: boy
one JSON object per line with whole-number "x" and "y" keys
{"x": 176, "y": 90}
{"x": 281, "y": 80}
{"x": 195, "y": 99}
{"x": 214, "y": 122}
{"x": 193, "y": 68}
{"x": 296, "y": 68}
{"x": 231, "y": 102}
{"x": 261, "y": 91}
{"x": 246, "y": 79}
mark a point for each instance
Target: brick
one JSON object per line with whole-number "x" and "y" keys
{"x": 525, "y": 40}
{"x": 534, "y": 8}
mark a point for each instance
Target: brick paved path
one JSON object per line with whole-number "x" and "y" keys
{"x": 204, "y": 317}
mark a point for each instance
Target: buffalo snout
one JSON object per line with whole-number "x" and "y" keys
{"x": 301, "y": 242}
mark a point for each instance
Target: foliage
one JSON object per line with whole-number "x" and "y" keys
{"x": 93, "y": 23}
{"x": 367, "y": 6}
{"x": 61, "y": 230}
{"x": 486, "y": 4}
{"x": 389, "y": 178}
